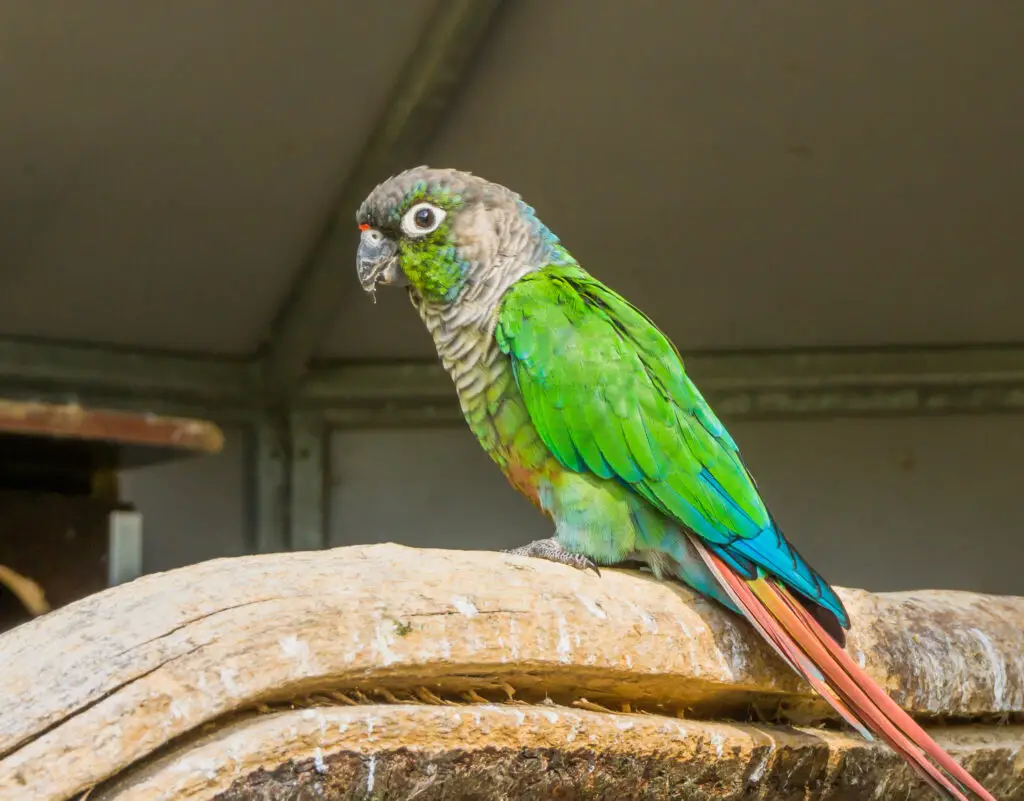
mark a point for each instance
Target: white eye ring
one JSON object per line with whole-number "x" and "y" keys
{"x": 426, "y": 223}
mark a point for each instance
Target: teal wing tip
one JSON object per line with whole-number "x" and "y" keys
{"x": 770, "y": 553}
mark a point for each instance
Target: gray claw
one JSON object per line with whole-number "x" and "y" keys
{"x": 552, "y": 550}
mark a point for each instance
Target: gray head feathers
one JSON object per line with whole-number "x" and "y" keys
{"x": 384, "y": 205}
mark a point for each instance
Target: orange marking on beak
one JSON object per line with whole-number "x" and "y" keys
{"x": 364, "y": 227}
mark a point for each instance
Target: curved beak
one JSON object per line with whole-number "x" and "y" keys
{"x": 377, "y": 261}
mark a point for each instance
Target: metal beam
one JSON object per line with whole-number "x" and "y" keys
{"x": 307, "y": 507}
{"x": 267, "y": 468}
{"x": 776, "y": 384}
{"x": 426, "y": 84}
{"x": 47, "y": 368}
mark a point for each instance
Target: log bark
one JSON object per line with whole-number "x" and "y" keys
{"x": 425, "y": 672}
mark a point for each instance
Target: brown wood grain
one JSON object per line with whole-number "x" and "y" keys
{"x": 72, "y": 420}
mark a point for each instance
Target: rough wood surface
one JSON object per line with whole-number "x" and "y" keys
{"x": 500, "y": 752}
{"x": 102, "y": 684}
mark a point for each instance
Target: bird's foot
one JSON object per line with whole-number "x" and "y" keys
{"x": 553, "y": 551}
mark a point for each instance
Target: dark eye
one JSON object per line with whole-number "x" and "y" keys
{"x": 424, "y": 218}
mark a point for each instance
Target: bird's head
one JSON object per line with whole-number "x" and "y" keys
{"x": 440, "y": 231}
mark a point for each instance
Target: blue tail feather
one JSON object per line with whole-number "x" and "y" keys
{"x": 770, "y": 551}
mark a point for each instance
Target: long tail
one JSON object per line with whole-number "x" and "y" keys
{"x": 802, "y": 642}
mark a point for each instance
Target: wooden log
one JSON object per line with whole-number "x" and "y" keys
{"x": 458, "y": 665}
{"x": 495, "y": 752}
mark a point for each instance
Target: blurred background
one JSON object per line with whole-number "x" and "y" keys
{"x": 820, "y": 203}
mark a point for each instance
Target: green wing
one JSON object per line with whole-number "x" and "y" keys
{"x": 608, "y": 394}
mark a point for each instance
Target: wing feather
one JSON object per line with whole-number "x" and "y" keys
{"x": 608, "y": 394}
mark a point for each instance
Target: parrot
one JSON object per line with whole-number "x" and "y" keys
{"x": 585, "y": 406}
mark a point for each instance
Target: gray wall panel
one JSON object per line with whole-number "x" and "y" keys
{"x": 881, "y": 504}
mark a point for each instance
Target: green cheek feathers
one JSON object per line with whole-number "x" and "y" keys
{"x": 433, "y": 266}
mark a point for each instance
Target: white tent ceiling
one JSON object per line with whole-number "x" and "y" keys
{"x": 165, "y": 166}
{"x": 795, "y": 174}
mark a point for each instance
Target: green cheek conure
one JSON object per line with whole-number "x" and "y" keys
{"x": 586, "y": 407}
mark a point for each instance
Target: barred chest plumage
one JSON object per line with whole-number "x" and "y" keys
{"x": 491, "y": 403}
{"x": 463, "y": 334}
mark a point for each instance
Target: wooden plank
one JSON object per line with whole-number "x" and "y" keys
{"x": 64, "y": 447}
{"x": 109, "y": 680}
{"x": 116, "y": 428}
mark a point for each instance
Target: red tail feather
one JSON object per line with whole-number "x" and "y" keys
{"x": 805, "y": 645}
